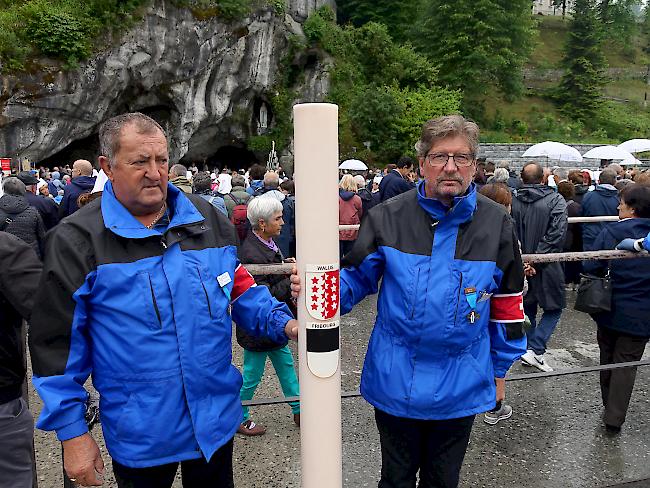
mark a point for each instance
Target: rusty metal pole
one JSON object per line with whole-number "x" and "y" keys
{"x": 317, "y": 253}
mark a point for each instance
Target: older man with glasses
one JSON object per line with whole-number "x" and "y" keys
{"x": 450, "y": 312}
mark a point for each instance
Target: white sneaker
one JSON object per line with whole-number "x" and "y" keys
{"x": 532, "y": 359}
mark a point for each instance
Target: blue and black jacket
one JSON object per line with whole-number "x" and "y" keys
{"x": 449, "y": 313}
{"x": 148, "y": 315}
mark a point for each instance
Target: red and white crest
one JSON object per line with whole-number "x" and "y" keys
{"x": 322, "y": 291}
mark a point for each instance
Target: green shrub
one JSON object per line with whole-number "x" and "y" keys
{"x": 61, "y": 35}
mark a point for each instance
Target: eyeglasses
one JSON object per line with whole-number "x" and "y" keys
{"x": 440, "y": 159}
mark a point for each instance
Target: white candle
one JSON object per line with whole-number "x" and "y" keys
{"x": 317, "y": 252}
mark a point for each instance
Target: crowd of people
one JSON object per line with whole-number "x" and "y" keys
{"x": 141, "y": 277}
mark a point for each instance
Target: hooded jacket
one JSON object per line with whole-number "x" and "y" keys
{"x": 55, "y": 184}
{"x": 72, "y": 191}
{"x": 540, "y": 215}
{"x": 148, "y": 314}
{"x": 22, "y": 220}
{"x": 20, "y": 271}
{"x": 449, "y": 315}
{"x": 630, "y": 279}
{"x": 350, "y": 212}
{"x": 602, "y": 201}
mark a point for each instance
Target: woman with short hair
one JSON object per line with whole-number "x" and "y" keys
{"x": 259, "y": 247}
{"x": 624, "y": 331}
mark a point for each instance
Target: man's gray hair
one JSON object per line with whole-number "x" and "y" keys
{"x": 178, "y": 170}
{"x": 561, "y": 174}
{"x": 449, "y": 125}
{"x": 261, "y": 208}
{"x": 504, "y": 164}
{"x": 607, "y": 177}
{"x": 271, "y": 180}
{"x": 237, "y": 180}
{"x": 13, "y": 186}
{"x": 110, "y": 131}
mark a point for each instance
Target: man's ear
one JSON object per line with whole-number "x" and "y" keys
{"x": 105, "y": 165}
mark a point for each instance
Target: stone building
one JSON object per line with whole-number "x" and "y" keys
{"x": 549, "y": 7}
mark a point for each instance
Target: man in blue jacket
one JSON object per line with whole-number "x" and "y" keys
{"x": 450, "y": 309}
{"x": 139, "y": 290}
{"x": 82, "y": 182}
{"x": 396, "y": 182}
{"x": 602, "y": 201}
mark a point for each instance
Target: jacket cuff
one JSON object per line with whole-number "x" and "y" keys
{"x": 71, "y": 431}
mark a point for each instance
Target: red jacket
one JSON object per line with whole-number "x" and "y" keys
{"x": 350, "y": 211}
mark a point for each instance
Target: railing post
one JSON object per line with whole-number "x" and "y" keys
{"x": 316, "y": 175}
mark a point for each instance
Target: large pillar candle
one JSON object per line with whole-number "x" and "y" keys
{"x": 317, "y": 252}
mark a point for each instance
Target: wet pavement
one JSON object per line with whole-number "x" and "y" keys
{"x": 553, "y": 440}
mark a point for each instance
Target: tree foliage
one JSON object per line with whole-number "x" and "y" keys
{"x": 580, "y": 91}
{"x": 385, "y": 90}
{"x": 478, "y": 43}
{"x": 618, "y": 19}
{"x": 398, "y": 14}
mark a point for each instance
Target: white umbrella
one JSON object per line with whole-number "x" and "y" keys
{"x": 630, "y": 162}
{"x": 607, "y": 152}
{"x": 353, "y": 165}
{"x": 553, "y": 150}
{"x": 636, "y": 145}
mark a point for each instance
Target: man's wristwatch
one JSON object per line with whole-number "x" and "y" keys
{"x": 638, "y": 245}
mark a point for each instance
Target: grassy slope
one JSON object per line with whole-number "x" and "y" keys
{"x": 548, "y": 55}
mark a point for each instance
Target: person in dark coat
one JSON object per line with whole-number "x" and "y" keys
{"x": 45, "y": 206}
{"x": 624, "y": 331}
{"x": 265, "y": 216}
{"x": 577, "y": 178}
{"x": 602, "y": 201}
{"x": 20, "y": 271}
{"x": 395, "y": 182}
{"x": 286, "y": 241}
{"x": 82, "y": 182}
{"x": 540, "y": 215}
{"x": 573, "y": 240}
{"x": 19, "y": 218}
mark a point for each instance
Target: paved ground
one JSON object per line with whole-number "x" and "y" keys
{"x": 553, "y": 440}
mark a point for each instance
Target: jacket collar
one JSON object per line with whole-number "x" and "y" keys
{"x": 461, "y": 211}
{"x": 120, "y": 221}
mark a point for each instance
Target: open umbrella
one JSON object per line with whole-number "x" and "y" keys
{"x": 636, "y": 145}
{"x": 553, "y": 150}
{"x": 630, "y": 162}
{"x": 353, "y": 165}
{"x": 607, "y": 152}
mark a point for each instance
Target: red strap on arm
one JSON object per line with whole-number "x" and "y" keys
{"x": 507, "y": 308}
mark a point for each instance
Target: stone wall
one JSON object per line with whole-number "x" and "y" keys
{"x": 512, "y": 153}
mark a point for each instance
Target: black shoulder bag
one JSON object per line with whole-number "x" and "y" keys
{"x": 594, "y": 294}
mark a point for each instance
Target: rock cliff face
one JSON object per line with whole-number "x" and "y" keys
{"x": 206, "y": 81}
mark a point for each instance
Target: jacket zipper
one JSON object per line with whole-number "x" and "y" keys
{"x": 155, "y": 303}
{"x": 460, "y": 288}
{"x": 415, "y": 292}
{"x": 205, "y": 291}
